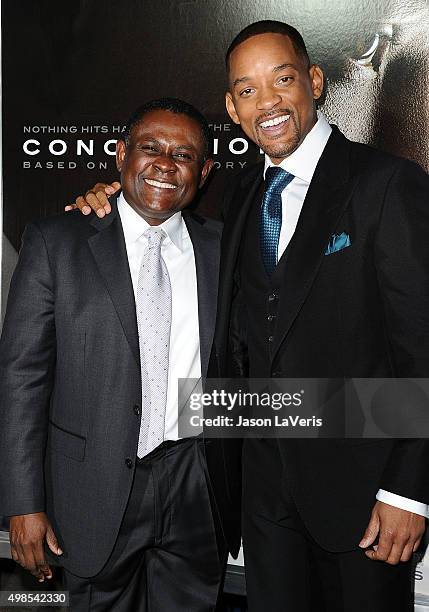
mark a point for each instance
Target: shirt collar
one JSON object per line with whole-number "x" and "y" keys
{"x": 134, "y": 225}
{"x": 303, "y": 161}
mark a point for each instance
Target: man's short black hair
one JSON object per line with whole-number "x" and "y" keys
{"x": 172, "y": 105}
{"x": 270, "y": 27}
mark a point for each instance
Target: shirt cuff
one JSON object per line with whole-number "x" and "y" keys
{"x": 403, "y": 502}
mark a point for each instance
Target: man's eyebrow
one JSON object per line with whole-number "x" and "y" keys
{"x": 283, "y": 66}
{"x": 157, "y": 142}
{"x": 148, "y": 139}
{"x": 241, "y": 80}
{"x": 187, "y": 147}
{"x": 244, "y": 79}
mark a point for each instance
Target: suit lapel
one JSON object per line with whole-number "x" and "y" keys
{"x": 327, "y": 198}
{"x": 206, "y": 245}
{"x": 109, "y": 251}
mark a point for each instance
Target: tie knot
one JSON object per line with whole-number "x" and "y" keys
{"x": 277, "y": 179}
{"x": 155, "y": 236}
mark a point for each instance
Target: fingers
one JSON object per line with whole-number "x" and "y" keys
{"x": 96, "y": 199}
{"x": 14, "y": 554}
{"x": 417, "y": 544}
{"x": 42, "y": 569}
{"x": 92, "y": 199}
{"x": 383, "y": 549}
{"x": 395, "y": 553}
{"x": 27, "y": 537}
{"x": 395, "y": 545}
{"x": 30, "y": 555}
{"x": 371, "y": 531}
{"x": 391, "y": 551}
{"x": 52, "y": 542}
{"x": 83, "y": 206}
{"x": 70, "y": 207}
{"x": 101, "y": 189}
{"x": 114, "y": 187}
{"x": 400, "y": 532}
{"x": 407, "y": 553}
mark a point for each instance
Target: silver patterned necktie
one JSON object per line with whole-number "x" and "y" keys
{"x": 154, "y": 324}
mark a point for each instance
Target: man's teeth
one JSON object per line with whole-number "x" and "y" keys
{"x": 160, "y": 185}
{"x": 273, "y": 122}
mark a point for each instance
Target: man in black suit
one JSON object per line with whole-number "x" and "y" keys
{"x": 340, "y": 291}
{"x": 91, "y": 461}
{"x": 324, "y": 274}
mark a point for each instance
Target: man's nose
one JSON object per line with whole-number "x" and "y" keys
{"x": 268, "y": 98}
{"x": 164, "y": 163}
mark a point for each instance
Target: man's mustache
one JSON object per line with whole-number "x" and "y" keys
{"x": 273, "y": 113}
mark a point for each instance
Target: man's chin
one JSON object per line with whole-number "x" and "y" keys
{"x": 278, "y": 151}
{"x": 159, "y": 215}
{"x": 279, "y": 155}
{"x": 154, "y": 214}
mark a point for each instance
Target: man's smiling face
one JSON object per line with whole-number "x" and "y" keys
{"x": 162, "y": 165}
{"x": 271, "y": 94}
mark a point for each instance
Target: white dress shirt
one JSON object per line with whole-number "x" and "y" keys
{"x": 302, "y": 164}
{"x": 178, "y": 254}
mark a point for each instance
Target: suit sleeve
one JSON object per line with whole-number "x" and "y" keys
{"x": 27, "y": 359}
{"x": 402, "y": 261}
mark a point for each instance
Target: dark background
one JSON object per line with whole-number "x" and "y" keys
{"x": 92, "y": 62}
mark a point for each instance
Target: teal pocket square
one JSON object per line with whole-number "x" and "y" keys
{"x": 337, "y": 242}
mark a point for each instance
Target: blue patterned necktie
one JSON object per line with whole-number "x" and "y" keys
{"x": 276, "y": 179}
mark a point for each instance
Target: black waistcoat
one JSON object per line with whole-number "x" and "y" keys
{"x": 261, "y": 295}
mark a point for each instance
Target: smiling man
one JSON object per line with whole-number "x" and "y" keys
{"x": 324, "y": 252}
{"x": 91, "y": 461}
{"x": 294, "y": 84}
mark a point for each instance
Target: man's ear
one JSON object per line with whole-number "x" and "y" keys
{"x": 120, "y": 154}
{"x": 230, "y": 107}
{"x": 206, "y": 169}
{"x": 317, "y": 80}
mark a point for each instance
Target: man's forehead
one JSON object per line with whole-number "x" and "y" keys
{"x": 167, "y": 124}
{"x": 271, "y": 48}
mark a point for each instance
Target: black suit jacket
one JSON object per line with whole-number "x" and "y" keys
{"x": 359, "y": 312}
{"x": 70, "y": 377}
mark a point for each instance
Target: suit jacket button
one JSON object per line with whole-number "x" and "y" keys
{"x": 129, "y": 462}
{"x": 272, "y": 297}
{"x": 270, "y": 338}
{"x": 136, "y": 409}
{"x": 276, "y": 374}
